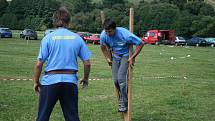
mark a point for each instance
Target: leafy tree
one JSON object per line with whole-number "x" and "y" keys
{"x": 183, "y": 24}
{"x": 141, "y": 15}
{"x": 3, "y": 6}
{"x": 80, "y": 21}
{"x": 89, "y": 21}
{"x": 97, "y": 5}
{"x": 18, "y": 8}
{"x": 207, "y": 10}
{"x": 33, "y": 23}
{"x": 158, "y": 16}
{"x": 187, "y": 18}
{"x": 207, "y": 31}
{"x": 34, "y": 13}
{"x": 110, "y": 3}
{"x": 195, "y": 7}
{"x": 179, "y": 3}
{"x": 9, "y": 20}
{"x": 120, "y": 17}
{"x": 120, "y": 13}
{"x": 201, "y": 25}
{"x": 79, "y": 6}
{"x": 96, "y": 23}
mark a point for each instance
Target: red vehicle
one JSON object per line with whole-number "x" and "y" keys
{"x": 84, "y": 35}
{"x": 94, "y": 38}
{"x": 160, "y": 36}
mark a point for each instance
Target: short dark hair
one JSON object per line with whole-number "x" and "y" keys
{"x": 61, "y": 17}
{"x": 109, "y": 24}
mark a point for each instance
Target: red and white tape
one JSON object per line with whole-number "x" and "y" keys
{"x": 98, "y": 79}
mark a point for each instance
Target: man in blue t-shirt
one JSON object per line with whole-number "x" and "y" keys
{"x": 115, "y": 43}
{"x": 60, "y": 50}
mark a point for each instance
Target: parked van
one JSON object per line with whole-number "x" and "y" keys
{"x": 159, "y": 37}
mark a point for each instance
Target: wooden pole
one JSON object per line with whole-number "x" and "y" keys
{"x": 102, "y": 16}
{"x": 130, "y": 69}
{"x": 131, "y": 22}
{"x": 127, "y": 116}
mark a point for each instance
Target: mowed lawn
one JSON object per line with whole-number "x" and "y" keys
{"x": 169, "y": 84}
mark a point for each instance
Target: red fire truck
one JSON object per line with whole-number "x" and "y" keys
{"x": 159, "y": 37}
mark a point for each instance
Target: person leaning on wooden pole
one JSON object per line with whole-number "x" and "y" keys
{"x": 110, "y": 63}
{"x": 118, "y": 40}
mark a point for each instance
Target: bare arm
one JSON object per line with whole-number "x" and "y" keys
{"x": 137, "y": 51}
{"x": 37, "y": 71}
{"x": 107, "y": 53}
{"x": 87, "y": 66}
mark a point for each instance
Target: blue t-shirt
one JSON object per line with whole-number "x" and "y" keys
{"x": 120, "y": 41}
{"x": 61, "y": 50}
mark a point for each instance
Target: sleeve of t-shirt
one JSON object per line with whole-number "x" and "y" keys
{"x": 131, "y": 38}
{"x": 103, "y": 38}
{"x": 43, "y": 52}
{"x": 84, "y": 52}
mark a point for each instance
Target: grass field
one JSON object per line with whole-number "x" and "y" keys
{"x": 164, "y": 89}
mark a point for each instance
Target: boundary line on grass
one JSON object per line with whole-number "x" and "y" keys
{"x": 98, "y": 79}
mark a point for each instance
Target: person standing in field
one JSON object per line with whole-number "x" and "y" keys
{"x": 60, "y": 49}
{"x": 115, "y": 43}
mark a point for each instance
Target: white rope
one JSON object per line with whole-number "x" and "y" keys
{"x": 98, "y": 79}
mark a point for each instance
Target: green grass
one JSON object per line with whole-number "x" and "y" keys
{"x": 184, "y": 91}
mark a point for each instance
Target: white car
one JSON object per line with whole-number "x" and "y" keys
{"x": 180, "y": 41}
{"x": 48, "y": 31}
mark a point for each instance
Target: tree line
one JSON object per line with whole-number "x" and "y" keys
{"x": 193, "y": 18}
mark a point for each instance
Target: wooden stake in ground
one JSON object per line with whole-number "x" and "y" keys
{"x": 102, "y": 16}
{"x": 127, "y": 116}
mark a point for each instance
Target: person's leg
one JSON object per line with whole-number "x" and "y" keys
{"x": 122, "y": 79}
{"x": 47, "y": 100}
{"x": 115, "y": 68}
{"x": 69, "y": 101}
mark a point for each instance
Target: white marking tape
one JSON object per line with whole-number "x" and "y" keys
{"x": 97, "y": 79}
